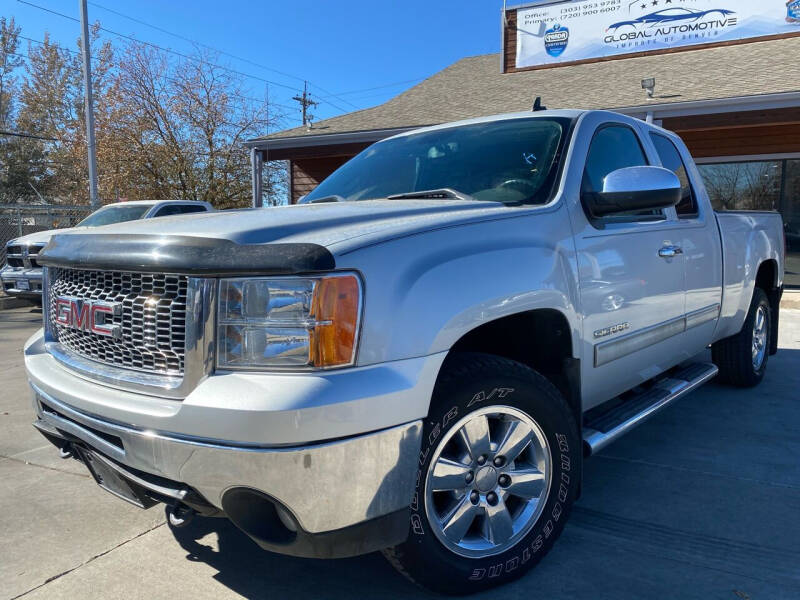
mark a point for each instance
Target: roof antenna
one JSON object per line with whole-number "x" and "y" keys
{"x": 537, "y": 104}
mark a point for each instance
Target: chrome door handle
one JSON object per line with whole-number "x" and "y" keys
{"x": 670, "y": 251}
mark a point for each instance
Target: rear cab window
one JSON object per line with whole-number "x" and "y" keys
{"x": 180, "y": 209}
{"x": 671, "y": 159}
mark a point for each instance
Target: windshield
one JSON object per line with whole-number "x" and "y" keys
{"x": 508, "y": 161}
{"x": 117, "y": 213}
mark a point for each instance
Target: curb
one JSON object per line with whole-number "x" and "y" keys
{"x": 790, "y": 300}
{"x": 7, "y": 302}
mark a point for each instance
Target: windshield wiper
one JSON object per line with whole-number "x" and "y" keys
{"x": 440, "y": 194}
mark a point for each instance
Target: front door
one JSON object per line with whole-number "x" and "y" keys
{"x": 631, "y": 289}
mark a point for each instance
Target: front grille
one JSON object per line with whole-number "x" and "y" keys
{"x": 23, "y": 256}
{"x": 33, "y": 254}
{"x": 14, "y": 256}
{"x": 152, "y": 320}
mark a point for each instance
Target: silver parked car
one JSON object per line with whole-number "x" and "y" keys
{"x": 21, "y": 275}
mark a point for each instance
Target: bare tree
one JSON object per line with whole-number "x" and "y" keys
{"x": 187, "y": 120}
{"x": 743, "y": 185}
{"x": 166, "y": 128}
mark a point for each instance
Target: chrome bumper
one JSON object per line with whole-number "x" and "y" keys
{"x": 11, "y": 275}
{"x": 326, "y": 486}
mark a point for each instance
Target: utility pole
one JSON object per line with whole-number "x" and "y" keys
{"x": 89, "y": 104}
{"x": 305, "y": 102}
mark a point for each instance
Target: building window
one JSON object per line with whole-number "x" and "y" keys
{"x": 744, "y": 185}
{"x": 790, "y": 208}
{"x": 761, "y": 185}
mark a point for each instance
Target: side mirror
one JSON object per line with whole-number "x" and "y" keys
{"x": 635, "y": 188}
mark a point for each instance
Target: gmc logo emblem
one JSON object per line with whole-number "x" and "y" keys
{"x": 88, "y": 315}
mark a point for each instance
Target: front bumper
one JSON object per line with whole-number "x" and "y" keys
{"x": 335, "y": 493}
{"x": 11, "y": 276}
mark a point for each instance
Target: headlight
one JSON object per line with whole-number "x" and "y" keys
{"x": 288, "y": 323}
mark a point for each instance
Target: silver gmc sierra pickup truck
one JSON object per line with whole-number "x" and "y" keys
{"x": 21, "y": 275}
{"x": 416, "y": 359}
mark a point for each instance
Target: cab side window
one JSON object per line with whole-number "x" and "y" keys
{"x": 671, "y": 159}
{"x": 613, "y": 147}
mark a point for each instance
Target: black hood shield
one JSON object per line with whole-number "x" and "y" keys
{"x": 182, "y": 255}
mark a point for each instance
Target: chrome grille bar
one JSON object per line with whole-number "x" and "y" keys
{"x": 23, "y": 255}
{"x": 150, "y": 341}
{"x": 166, "y": 322}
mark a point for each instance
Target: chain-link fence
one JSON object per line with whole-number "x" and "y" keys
{"x": 17, "y": 220}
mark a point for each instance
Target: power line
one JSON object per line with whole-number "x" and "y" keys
{"x": 223, "y": 52}
{"x": 378, "y": 95}
{"x": 168, "y": 50}
{"x": 379, "y": 87}
{"x": 330, "y": 95}
{"x": 173, "y": 80}
{"x": 325, "y": 99}
{"x": 28, "y": 135}
{"x": 170, "y": 79}
{"x": 55, "y": 45}
{"x": 192, "y": 41}
{"x": 180, "y": 54}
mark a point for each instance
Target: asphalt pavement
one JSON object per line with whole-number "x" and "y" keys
{"x": 702, "y": 501}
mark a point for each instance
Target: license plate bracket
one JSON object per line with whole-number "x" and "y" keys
{"x": 113, "y": 482}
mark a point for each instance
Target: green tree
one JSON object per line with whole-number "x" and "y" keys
{"x": 13, "y": 150}
{"x": 165, "y": 127}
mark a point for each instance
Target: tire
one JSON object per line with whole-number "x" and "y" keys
{"x": 735, "y": 356}
{"x": 512, "y": 400}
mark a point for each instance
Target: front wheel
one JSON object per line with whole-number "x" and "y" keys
{"x": 499, "y": 471}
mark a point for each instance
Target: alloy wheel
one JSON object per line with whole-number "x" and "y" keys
{"x": 488, "y": 481}
{"x": 759, "y": 337}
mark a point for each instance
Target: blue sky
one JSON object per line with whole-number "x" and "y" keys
{"x": 340, "y": 47}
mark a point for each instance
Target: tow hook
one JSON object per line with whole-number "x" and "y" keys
{"x": 180, "y": 515}
{"x": 65, "y": 451}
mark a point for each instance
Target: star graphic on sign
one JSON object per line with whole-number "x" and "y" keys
{"x": 655, "y": 2}
{"x": 644, "y": 5}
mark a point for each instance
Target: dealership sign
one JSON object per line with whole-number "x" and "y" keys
{"x": 561, "y": 32}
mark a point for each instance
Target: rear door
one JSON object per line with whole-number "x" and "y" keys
{"x": 698, "y": 238}
{"x": 632, "y": 298}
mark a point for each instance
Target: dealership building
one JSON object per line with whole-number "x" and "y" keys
{"x": 727, "y": 80}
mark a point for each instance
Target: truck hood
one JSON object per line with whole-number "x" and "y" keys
{"x": 326, "y": 224}
{"x": 42, "y": 237}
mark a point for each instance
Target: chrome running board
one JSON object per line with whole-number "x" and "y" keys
{"x": 604, "y": 429}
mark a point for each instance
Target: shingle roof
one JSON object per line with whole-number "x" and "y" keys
{"x": 475, "y": 86}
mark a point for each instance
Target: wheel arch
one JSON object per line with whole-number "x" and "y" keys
{"x": 540, "y": 339}
{"x": 767, "y": 278}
